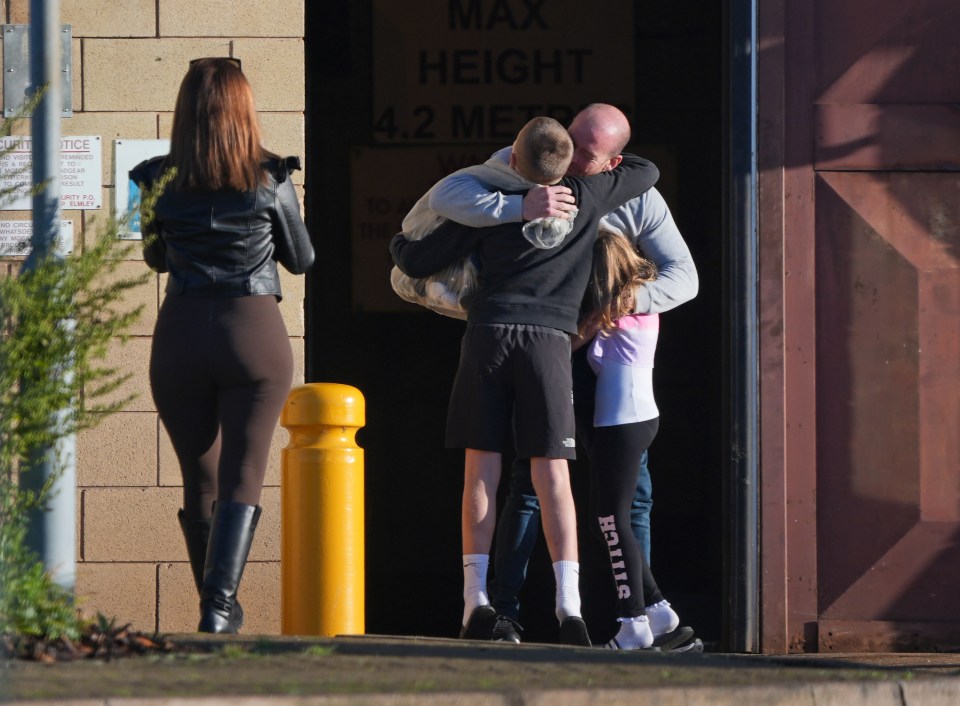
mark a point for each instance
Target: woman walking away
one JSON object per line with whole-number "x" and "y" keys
{"x": 221, "y": 365}
{"x": 625, "y": 420}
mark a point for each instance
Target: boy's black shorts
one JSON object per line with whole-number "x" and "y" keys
{"x": 513, "y": 374}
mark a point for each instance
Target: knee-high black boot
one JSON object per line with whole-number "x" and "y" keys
{"x": 196, "y": 533}
{"x": 231, "y": 535}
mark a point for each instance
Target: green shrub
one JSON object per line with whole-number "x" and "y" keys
{"x": 57, "y": 320}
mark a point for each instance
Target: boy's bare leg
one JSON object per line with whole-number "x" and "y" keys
{"x": 481, "y": 476}
{"x": 478, "y": 520}
{"x": 551, "y": 480}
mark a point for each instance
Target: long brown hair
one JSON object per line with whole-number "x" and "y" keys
{"x": 215, "y": 140}
{"x": 617, "y": 269}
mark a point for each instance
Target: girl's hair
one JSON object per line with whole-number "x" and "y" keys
{"x": 617, "y": 269}
{"x": 215, "y": 140}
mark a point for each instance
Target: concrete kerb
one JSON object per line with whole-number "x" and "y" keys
{"x": 408, "y": 671}
{"x": 929, "y": 692}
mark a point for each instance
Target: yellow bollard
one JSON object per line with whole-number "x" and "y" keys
{"x": 321, "y": 510}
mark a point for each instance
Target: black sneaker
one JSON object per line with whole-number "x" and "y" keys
{"x": 614, "y": 645}
{"x": 680, "y": 640}
{"x": 694, "y": 646}
{"x": 506, "y": 630}
{"x": 573, "y": 631}
{"x": 674, "y": 638}
{"x": 481, "y": 624}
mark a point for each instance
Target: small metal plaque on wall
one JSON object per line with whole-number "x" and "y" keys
{"x": 16, "y": 68}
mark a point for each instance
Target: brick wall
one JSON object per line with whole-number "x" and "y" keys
{"x": 128, "y": 59}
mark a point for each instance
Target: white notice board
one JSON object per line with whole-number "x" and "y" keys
{"x": 15, "y": 238}
{"x": 127, "y": 155}
{"x": 81, "y": 181}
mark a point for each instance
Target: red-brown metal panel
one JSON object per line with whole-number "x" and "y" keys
{"x": 887, "y": 137}
{"x": 888, "y": 339}
{"x": 870, "y": 302}
{"x": 773, "y": 535}
{"x": 800, "y": 424}
{"x": 888, "y": 323}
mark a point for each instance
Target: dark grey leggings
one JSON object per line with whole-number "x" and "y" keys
{"x": 220, "y": 372}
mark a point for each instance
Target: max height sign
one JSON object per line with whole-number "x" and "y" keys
{"x": 477, "y": 70}
{"x": 81, "y": 176}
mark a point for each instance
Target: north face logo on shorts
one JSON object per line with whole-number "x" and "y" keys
{"x": 569, "y": 443}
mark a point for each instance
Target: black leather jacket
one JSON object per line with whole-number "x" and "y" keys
{"x": 226, "y": 243}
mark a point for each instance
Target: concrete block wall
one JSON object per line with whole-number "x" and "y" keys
{"x": 129, "y": 57}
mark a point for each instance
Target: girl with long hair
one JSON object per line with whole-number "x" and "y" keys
{"x": 626, "y": 418}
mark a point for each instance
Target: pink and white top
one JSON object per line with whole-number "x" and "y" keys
{"x": 623, "y": 361}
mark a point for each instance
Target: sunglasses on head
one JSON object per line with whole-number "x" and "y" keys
{"x": 232, "y": 60}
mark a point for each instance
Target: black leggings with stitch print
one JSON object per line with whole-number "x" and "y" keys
{"x": 615, "y": 463}
{"x": 220, "y": 372}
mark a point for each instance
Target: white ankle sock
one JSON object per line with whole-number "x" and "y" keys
{"x": 635, "y": 634}
{"x": 663, "y": 618}
{"x": 474, "y": 583}
{"x": 567, "y": 574}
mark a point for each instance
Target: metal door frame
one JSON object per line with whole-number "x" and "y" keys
{"x": 741, "y": 501}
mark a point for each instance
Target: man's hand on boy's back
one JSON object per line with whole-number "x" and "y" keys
{"x": 548, "y": 202}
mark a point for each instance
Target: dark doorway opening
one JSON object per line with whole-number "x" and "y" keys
{"x": 404, "y": 363}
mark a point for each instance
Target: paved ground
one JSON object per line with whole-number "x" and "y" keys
{"x": 245, "y": 670}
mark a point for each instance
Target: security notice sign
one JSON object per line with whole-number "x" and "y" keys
{"x": 81, "y": 180}
{"x": 477, "y": 70}
{"x": 15, "y": 238}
